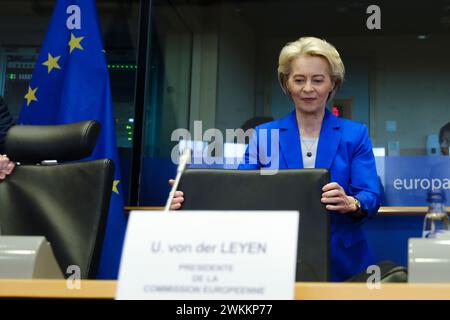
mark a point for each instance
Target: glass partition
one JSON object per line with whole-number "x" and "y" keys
{"x": 216, "y": 62}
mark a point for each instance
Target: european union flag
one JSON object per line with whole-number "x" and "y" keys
{"x": 70, "y": 83}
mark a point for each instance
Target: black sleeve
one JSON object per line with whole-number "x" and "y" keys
{"x": 5, "y": 123}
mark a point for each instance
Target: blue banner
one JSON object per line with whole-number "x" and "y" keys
{"x": 70, "y": 83}
{"x": 408, "y": 179}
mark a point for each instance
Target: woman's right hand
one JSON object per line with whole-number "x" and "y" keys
{"x": 178, "y": 199}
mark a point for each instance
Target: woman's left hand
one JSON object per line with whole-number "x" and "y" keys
{"x": 336, "y": 199}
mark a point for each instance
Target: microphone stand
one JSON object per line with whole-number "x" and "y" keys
{"x": 184, "y": 159}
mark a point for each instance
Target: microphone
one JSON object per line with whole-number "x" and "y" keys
{"x": 184, "y": 159}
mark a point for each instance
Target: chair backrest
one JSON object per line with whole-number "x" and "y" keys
{"x": 67, "y": 203}
{"x": 300, "y": 189}
{"x": 68, "y": 142}
{"x": 390, "y": 272}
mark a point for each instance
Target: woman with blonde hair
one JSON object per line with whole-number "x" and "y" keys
{"x": 310, "y": 72}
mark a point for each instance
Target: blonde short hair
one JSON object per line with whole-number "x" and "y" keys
{"x": 315, "y": 47}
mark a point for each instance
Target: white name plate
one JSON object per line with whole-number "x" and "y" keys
{"x": 205, "y": 255}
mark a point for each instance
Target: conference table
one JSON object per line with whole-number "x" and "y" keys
{"x": 383, "y": 211}
{"x": 103, "y": 289}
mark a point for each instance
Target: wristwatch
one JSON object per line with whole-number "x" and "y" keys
{"x": 359, "y": 213}
{"x": 357, "y": 204}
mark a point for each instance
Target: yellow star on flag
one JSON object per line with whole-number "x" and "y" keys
{"x": 74, "y": 43}
{"x": 115, "y": 183}
{"x": 31, "y": 95}
{"x": 52, "y": 63}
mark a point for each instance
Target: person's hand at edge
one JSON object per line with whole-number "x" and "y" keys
{"x": 6, "y": 167}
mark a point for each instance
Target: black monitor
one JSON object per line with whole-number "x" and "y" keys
{"x": 297, "y": 189}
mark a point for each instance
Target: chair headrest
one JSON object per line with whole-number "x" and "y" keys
{"x": 68, "y": 142}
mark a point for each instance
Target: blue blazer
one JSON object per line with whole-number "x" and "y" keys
{"x": 345, "y": 150}
{"x": 5, "y": 123}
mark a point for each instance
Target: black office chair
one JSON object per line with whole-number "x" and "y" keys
{"x": 390, "y": 272}
{"x": 65, "y": 202}
{"x": 296, "y": 189}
